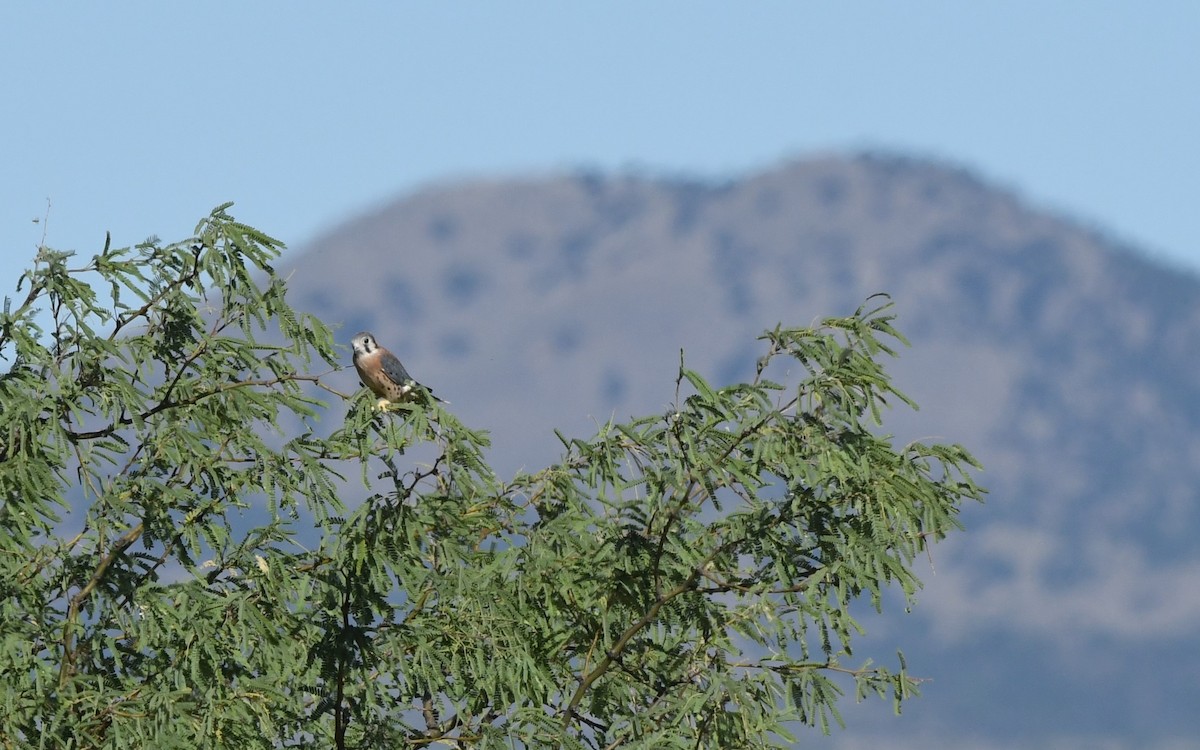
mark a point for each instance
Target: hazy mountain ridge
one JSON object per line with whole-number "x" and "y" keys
{"x": 1066, "y": 362}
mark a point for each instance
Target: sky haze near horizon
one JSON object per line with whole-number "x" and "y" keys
{"x": 139, "y": 118}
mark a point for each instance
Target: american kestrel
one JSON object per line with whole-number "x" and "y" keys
{"x": 382, "y": 372}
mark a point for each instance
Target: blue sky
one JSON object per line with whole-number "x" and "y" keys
{"x": 139, "y": 117}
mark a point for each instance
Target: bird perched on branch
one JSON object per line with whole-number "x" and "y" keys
{"x": 383, "y": 373}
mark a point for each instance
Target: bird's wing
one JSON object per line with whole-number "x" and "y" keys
{"x": 394, "y": 370}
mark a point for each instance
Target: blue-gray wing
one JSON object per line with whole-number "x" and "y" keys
{"x": 394, "y": 370}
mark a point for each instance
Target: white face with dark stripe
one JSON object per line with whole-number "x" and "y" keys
{"x": 363, "y": 343}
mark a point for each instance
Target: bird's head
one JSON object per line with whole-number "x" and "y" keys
{"x": 363, "y": 343}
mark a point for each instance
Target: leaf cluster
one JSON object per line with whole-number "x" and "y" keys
{"x": 188, "y": 558}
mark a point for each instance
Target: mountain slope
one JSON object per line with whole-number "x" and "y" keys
{"x": 1066, "y": 363}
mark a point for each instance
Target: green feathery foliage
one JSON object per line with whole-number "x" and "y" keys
{"x": 187, "y": 561}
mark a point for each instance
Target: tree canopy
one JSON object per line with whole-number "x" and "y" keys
{"x": 204, "y": 544}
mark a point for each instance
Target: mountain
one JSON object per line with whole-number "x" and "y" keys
{"x": 1068, "y": 613}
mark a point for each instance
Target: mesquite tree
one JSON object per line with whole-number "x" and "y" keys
{"x": 204, "y": 544}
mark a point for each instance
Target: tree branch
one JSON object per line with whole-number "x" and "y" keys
{"x": 122, "y": 543}
{"x": 622, "y": 642}
{"x": 169, "y": 404}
